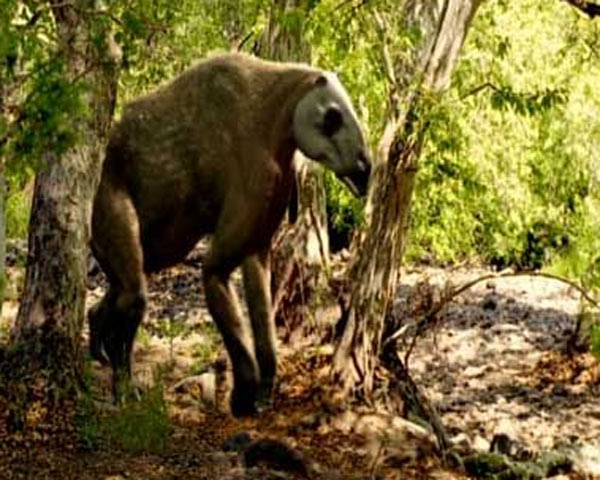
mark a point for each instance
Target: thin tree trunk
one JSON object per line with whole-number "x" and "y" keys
{"x": 304, "y": 242}
{"x": 378, "y": 255}
{"x": 2, "y": 237}
{"x": 3, "y": 89}
{"x": 51, "y": 313}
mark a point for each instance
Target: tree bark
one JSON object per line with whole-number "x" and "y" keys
{"x": 302, "y": 244}
{"x": 378, "y": 253}
{"x": 2, "y": 236}
{"x": 51, "y": 313}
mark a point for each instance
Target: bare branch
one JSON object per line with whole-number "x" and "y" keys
{"x": 589, "y": 8}
{"x": 430, "y": 316}
{"x": 478, "y": 89}
{"x": 244, "y": 41}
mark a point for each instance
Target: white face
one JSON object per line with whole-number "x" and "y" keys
{"x": 326, "y": 130}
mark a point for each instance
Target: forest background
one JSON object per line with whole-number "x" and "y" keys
{"x": 511, "y": 164}
{"x": 509, "y": 168}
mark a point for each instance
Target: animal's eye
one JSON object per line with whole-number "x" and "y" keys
{"x": 332, "y": 121}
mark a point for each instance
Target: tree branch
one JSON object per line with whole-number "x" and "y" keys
{"x": 478, "y": 89}
{"x": 430, "y": 316}
{"x": 589, "y": 8}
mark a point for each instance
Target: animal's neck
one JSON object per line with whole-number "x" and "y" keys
{"x": 281, "y": 96}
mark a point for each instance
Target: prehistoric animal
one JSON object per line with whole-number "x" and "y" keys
{"x": 211, "y": 153}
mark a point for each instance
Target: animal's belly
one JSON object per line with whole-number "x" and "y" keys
{"x": 168, "y": 240}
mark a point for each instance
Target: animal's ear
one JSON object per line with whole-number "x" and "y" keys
{"x": 321, "y": 81}
{"x": 332, "y": 121}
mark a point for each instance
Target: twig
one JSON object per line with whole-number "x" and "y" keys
{"x": 427, "y": 319}
{"x": 478, "y": 89}
{"x": 244, "y": 41}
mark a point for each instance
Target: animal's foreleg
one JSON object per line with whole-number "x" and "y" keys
{"x": 224, "y": 308}
{"x": 98, "y": 318}
{"x": 257, "y": 284}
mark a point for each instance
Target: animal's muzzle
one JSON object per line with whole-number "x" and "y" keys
{"x": 358, "y": 181}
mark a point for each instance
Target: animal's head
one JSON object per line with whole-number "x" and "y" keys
{"x": 326, "y": 130}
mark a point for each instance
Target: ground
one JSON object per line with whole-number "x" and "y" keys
{"x": 495, "y": 363}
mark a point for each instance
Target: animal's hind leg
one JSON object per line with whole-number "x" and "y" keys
{"x": 257, "y": 284}
{"x": 117, "y": 247}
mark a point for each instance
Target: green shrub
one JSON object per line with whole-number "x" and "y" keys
{"x": 344, "y": 213}
{"x": 139, "y": 425}
{"x": 18, "y": 206}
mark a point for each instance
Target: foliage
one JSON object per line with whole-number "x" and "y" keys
{"x": 140, "y": 425}
{"x": 510, "y": 167}
{"x": 595, "y": 339}
{"x": 206, "y": 351}
{"x": 511, "y": 157}
{"x": 344, "y": 213}
{"x": 17, "y": 209}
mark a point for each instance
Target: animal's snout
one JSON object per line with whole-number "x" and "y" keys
{"x": 358, "y": 179}
{"x": 361, "y": 177}
{"x": 361, "y": 180}
{"x": 364, "y": 164}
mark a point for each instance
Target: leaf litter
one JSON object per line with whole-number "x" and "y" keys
{"x": 496, "y": 363}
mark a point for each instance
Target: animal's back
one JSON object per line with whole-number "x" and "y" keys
{"x": 175, "y": 150}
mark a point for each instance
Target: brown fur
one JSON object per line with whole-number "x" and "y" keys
{"x": 210, "y": 152}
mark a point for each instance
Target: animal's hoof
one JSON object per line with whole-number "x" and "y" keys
{"x": 243, "y": 405}
{"x": 264, "y": 401}
{"x": 126, "y": 390}
{"x": 265, "y": 391}
{"x": 243, "y": 409}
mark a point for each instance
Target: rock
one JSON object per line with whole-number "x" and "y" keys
{"x": 496, "y": 465}
{"x": 237, "y": 442}
{"x": 481, "y": 444}
{"x": 502, "y": 443}
{"x": 461, "y": 441}
{"x": 202, "y": 387}
{"x": 489, "y": 303}
{"x": 586, "y": 459}
{"x": 276, "y": 455}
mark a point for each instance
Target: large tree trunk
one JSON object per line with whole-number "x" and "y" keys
{"x": 303, "y": 244}
{"x": 378, "y": 254}
{"x": 50, "y": 318}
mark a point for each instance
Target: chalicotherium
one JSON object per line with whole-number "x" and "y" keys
{"x": 211, "y": 153}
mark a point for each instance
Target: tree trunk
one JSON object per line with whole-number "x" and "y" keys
{"x": 303, "y": 244}
{"x": 3, "y": 89}
{"x": 2, "y": 236}
{"x": 378, "y": 254}
{"x": 50, "y": 318}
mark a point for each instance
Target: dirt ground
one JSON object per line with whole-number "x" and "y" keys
{"x": 496, "y": 363}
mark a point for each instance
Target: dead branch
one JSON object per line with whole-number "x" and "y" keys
{"x": 416, "y": 403}
{"x": 589, "y": 8}
{"x": 244, "y": 40}
{"x": 476, "y": 90}
{"x": 428, "y": 318}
